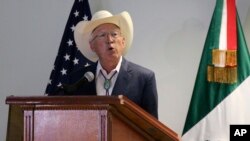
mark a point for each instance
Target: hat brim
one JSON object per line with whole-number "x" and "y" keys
{"x": 84, "y": 29}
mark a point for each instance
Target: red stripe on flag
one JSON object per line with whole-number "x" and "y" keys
{"x": 231, "y": 25}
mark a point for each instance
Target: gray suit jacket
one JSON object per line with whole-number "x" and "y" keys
{"x": 135, "y": 82}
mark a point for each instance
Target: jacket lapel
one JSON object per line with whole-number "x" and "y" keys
{"x": 123, "y": 78}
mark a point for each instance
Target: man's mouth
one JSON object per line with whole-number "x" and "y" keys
{"x": 110, "y": 48}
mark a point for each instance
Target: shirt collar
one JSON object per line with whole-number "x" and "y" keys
{"x": 117, "y": 68}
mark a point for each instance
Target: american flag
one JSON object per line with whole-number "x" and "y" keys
{"x": 69, "y": 58}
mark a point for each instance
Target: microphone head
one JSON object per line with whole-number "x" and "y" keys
{"x": 89, "y": 76}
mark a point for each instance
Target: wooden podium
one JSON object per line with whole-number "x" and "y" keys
{"x": 82, "y": 118}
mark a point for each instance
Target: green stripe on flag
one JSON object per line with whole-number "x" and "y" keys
{"x": 243, "y": 54}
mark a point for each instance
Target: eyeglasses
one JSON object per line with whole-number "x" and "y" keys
{"x": 103, "y": 35}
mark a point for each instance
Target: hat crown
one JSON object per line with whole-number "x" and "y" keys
{"x": 101, "y": 14}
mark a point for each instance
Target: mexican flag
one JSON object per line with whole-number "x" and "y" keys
{"x": 221, "y": 95}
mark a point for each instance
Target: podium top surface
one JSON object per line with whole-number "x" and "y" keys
{"x": 61, "y": 100}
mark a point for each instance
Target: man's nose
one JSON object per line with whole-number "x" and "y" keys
{"x": 110, "y": 38}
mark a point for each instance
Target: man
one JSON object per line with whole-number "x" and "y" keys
{"x": 105, "y": 40}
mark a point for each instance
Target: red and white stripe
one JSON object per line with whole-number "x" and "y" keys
{"x": 228, "y": 39}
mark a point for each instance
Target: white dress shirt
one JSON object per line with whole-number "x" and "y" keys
{"x": 101, "y": 91}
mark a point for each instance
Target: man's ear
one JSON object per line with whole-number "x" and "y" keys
{"x": 123, "y": 41}
{"x": 91, "y": 47}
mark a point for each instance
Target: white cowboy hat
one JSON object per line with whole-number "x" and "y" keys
{"x": 84, "y": 29}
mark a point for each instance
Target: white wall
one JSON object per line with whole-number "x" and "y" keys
{"x": 169, "y": 38}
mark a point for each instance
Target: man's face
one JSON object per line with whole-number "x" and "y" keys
{"x": 107, "y": 42}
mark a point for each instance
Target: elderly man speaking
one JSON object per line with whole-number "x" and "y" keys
{"x": 105, "y": 40}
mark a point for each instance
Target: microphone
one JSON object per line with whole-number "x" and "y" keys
{"x": 88, "y": 77}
